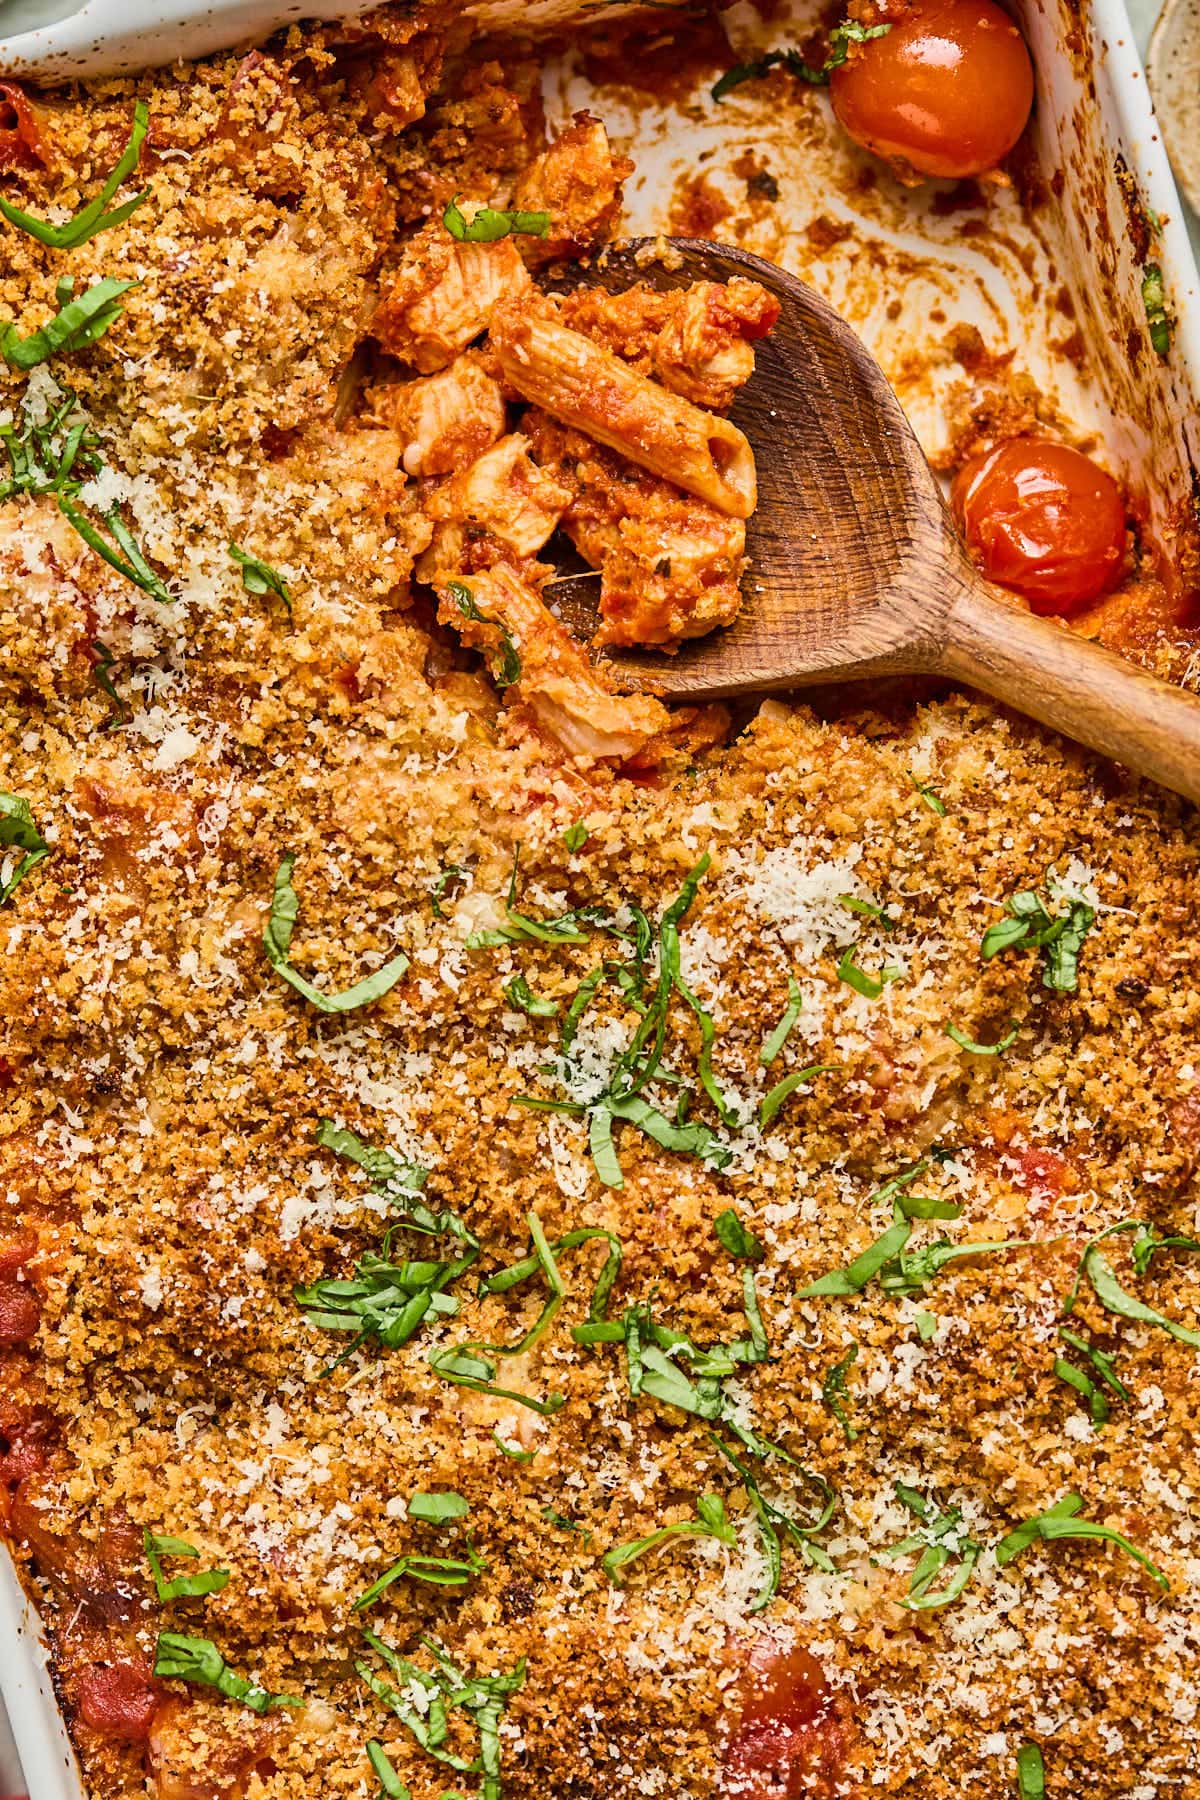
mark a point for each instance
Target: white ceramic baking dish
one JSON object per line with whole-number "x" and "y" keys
{"x": 1093, "y": 122}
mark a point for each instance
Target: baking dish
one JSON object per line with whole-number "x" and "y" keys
{"x": 1093, "y": 123}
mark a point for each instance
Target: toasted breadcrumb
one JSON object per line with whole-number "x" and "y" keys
{"x": 164, "y": 1191}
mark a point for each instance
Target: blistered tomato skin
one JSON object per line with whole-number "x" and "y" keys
{"x": 119, "y": 1700}
{"x": 1044, "y": 520}
{"x": 788, "y": 1743}
{"x": 945, "y": 92}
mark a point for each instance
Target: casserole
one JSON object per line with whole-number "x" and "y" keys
{"x": 1141, "y": 410}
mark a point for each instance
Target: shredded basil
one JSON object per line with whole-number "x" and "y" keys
{"x": 93, "y": 218}
{"x": 774, "y": 1524}
{"x": 870, "y": 986}
{"x": 523, "y": 997}
{"x": 178, "y": 1658}
{"x": 776, "y": 1039}
{"x": 977, "y": 1049}
{"x": 181, "y": 1587}
{"x": 694, "y": 1138}
{"x": 444, "y": 1689}
{"x": 18, "y": 832}
{"x": 394, "y": 1179}
{"x": 102, "y": 674}
{"x": 895, "y": 1185}
{"x": 453, "y": 872}
{"x": 929, "y": 795}
{"x": 385, "y": 1301}
{"x": 1149, "y": 1241}
{"x": 471, "y": 1365}
{"x": 926, "y": 1325}
{"x": 391, "y": 1784}
{"x": 460, "y": 1364}
{"x": 1082, "y": 1382}
{"x": 59, "y": 455}
{"x": 50, "y": 455}
{"x": 1100, "y": 1360}
{"x": 762, "y": 65}
{"x": 564, "y": 1524}
{"x": 437, "y": 1509}
{"x": 388, "y": 1301}
{"x": 519, "y": 926}
{"x": 773, "y": 1102}
{"x": 259, "y": 577}
{"x": 78, "y": 323}
{"x": 834, "y": 1392}
{"x": 869, "y": 909}
{"x": 575, "y": 837}
{"x": 651, "y": 1350}
{"x": 1115, "y": 1298}
{"x": 1060, "y": 1521}
{"x": 507, "y": 672}
{"x": 912, "y": 1270}
{"x": 127, "y": 558}
{"x": 737, "y": 1238}
{"x": 848, "y": 32}
{"x": 437, "y": 1571}
{"x": 855, "y": 1276}
{"x": 1030, "y": 926}
{"x": 277, "y": 940}
{"x": 1031, "y": 1773}
{"x": 899, "y": 1269}
{"x": 1159, "y": 321}
{"x": 511, "y": 1451}
{"x": 923, "y": 1206}
{"x": 939, "y": 1537}
{"x": 710, "y": 1521}
{"x": 642, "y": 1060}
{"x": 489, "y": 224}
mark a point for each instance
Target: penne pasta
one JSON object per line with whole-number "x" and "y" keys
{"x": 585, "y": 385}
{"x": 553, "y": 677}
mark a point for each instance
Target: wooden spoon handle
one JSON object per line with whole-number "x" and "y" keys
{"x": 1074, "y": 685}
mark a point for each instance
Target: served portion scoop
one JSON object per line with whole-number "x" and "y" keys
{"x": 855, "y": 567}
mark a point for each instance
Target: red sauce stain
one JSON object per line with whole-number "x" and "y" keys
{"x": 22, "y": 1453}
{"x": 1043, "y": 1174}
{"x": 662, "y": 60}
{"x": 20, "y": 1308}
{"x": 105, "y": 1576}
{"x": 20, "y": 1312}
{"x": 16, "y": 1251}
{"x": 119, "y": 1700}
{"x": 27, "y": 1432}
{"x": 20, "y": 140}
{"x": 698, "y": 207}
{"x": 789, "y": 1743}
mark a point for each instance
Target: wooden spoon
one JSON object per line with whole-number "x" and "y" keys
{"x": 855, "y": 566}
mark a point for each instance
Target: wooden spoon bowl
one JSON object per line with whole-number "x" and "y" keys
{"x": 855, "y": 568}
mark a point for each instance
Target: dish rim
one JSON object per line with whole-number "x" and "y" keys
{"x": 51, "y": 1769}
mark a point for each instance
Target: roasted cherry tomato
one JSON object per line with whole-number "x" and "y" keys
{"x": 788, "y": 1743}
{"x": 1043, "y": 520}
{"x": 946, "y": 91}
{"x": 20, "y": 140}
{"x": 119, "y": 1700}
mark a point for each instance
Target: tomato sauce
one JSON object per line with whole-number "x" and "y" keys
{"x": 119, "y": 1700}
{"x": 20, "y": 140}
{"x": 1044, "y": 1174}
{"x": 20, "y": 1308}
{"x": 789, "y": 1743}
